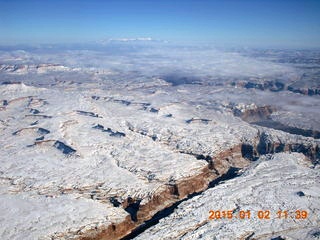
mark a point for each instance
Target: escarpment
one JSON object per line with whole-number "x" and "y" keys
{"x": 262, "y": 116}
{"x": 169, "y": 195}
{"x": 222, "y": 166}
{"x": 141, "y": 138}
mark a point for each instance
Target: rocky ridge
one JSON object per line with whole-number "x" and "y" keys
{"x": 104, "y": 145}
{"x": 82, "y": 142}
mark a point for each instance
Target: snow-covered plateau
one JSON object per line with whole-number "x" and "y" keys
{"x": 279, "y": 182}
{"x": 123, "y": 141}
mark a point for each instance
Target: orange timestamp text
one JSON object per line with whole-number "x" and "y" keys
{"x": 260, "y": 214}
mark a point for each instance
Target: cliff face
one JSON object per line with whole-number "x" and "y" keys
{"x": 271, "y": 184}
{"x": 277, "y": 86}
{"x": 255, "y": 114}
{"x": 217, "y": 170}
{"x": 103, "y": 146}
{"x": 270, "y": 142}
{"x": 122, "y": 155}
{"x": 172, "y": 193}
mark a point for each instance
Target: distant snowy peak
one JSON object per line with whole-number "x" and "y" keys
{"x": 131, "y": 40}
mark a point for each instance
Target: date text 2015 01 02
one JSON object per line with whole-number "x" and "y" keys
{"x": 261, "y": 214}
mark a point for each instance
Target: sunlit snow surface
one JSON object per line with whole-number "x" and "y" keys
{"x": 86, "y": 124}
{"x": 271, "y": 184}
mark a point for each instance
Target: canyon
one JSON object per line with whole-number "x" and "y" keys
{"x": 103, "y": 153}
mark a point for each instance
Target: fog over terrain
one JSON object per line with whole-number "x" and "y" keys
{"x": 154, "y": 58}
{"x": 142, "y": 138}
{"x": 133, "y": 63}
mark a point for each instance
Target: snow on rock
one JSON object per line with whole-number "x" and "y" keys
{"x": 30, "y": 216}
{"x": 24, "y": 69}
{"x": 286, "y": 182}
{"x": 96, "y": 145}
{"x": 105, "y": 153}
{"x": 57, "y": 155}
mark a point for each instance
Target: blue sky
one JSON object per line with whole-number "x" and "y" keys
{"x": 286, "y": 23}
